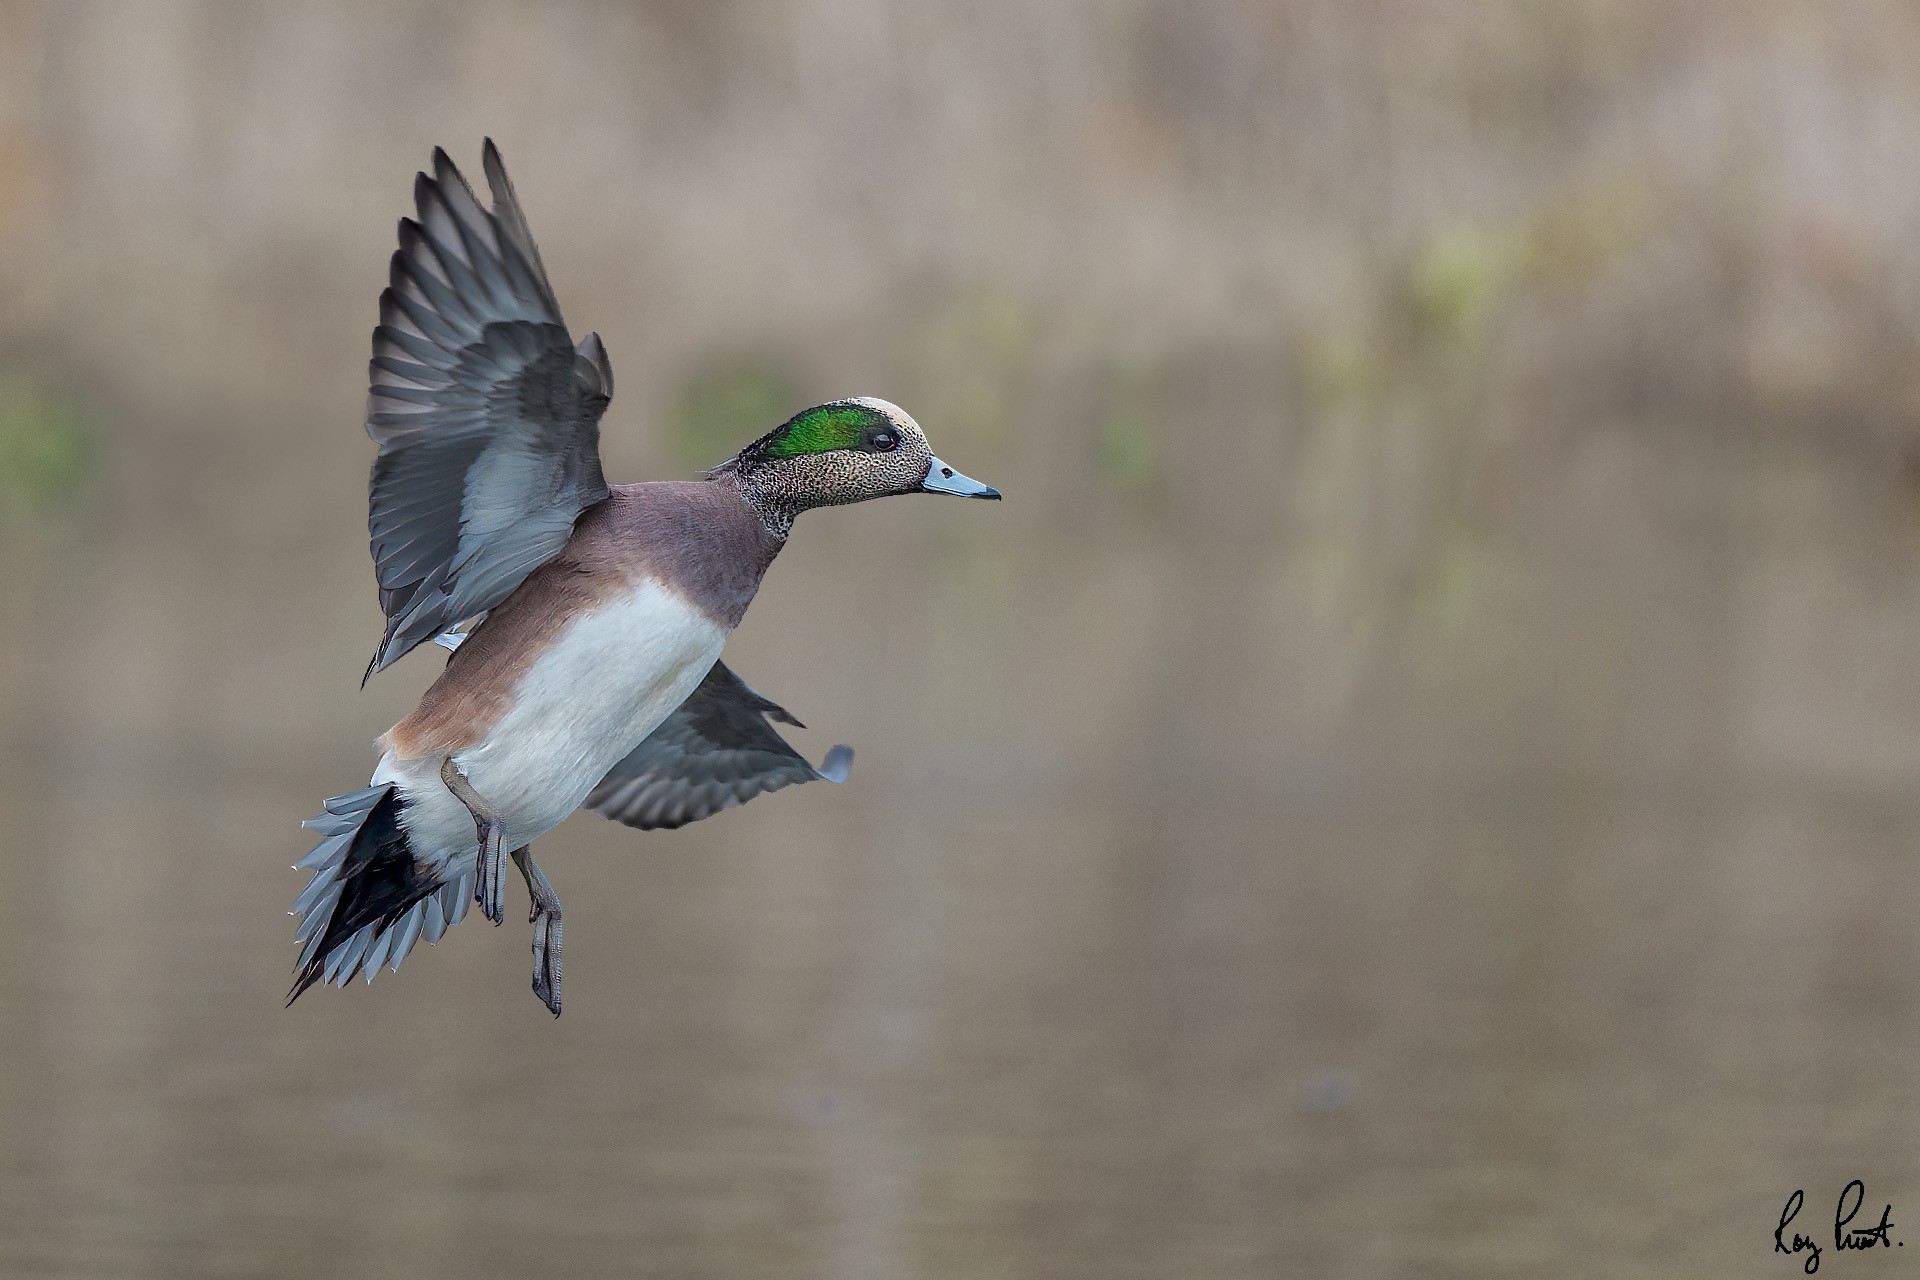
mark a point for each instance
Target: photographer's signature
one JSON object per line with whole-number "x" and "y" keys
{"x": 1845, "y": 1234}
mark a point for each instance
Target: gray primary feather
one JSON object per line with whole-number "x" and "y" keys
{"x": 715, "y": 751}
{"x": 486, "y": 414}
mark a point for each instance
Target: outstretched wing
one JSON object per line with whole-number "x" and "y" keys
{"x": 717, "y": 750}
{"x": 487, "y": 416}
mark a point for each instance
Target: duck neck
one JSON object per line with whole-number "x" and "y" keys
{"x": 775, "y": 504}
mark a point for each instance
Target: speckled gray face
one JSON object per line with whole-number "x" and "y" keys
{"x": 834, "y": 454}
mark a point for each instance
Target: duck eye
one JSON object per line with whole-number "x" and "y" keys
{"x": 883, "y": 441}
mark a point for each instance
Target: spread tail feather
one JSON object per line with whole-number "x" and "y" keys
{"x": 368, "y": 901}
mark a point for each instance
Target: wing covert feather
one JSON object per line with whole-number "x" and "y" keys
{"x": 715, "y": 751}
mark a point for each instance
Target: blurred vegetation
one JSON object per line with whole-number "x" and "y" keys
{"x": 963, "y": 359}
{"x": 724, "y": 404}
{"x": 46, "y": 444}
{"x": 1452, "y": 285}
{"x": 1127, "y": 430}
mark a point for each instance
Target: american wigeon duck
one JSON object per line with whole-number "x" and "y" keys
{"x": 585, "y": 619}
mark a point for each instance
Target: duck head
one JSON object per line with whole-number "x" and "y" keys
{"x": 837, "y": 453}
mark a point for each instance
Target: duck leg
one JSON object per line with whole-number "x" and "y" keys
{"x": 545, "y": 918}
{"x": 489, "y": 882}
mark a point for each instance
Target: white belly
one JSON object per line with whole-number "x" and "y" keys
{"x": 605, "y": 683}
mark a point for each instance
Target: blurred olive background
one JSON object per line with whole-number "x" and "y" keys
{"x": 1421, "y": 777}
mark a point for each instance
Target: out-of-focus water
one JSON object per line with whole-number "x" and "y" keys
{"x": 1087, "y": 973}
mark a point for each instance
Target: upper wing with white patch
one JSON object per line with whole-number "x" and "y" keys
{"x": 486, "y": 414}
{"x": 716, "y": 751}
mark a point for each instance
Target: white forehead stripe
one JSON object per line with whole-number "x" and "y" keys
{"x": 893, "y": 411}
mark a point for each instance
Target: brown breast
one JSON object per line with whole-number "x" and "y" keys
{"x": 696, "y": 538}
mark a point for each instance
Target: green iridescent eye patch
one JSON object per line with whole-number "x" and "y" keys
{"x": 822, "y": 429}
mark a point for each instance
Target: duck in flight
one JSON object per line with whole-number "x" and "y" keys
{"x": 585, "y": 619}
